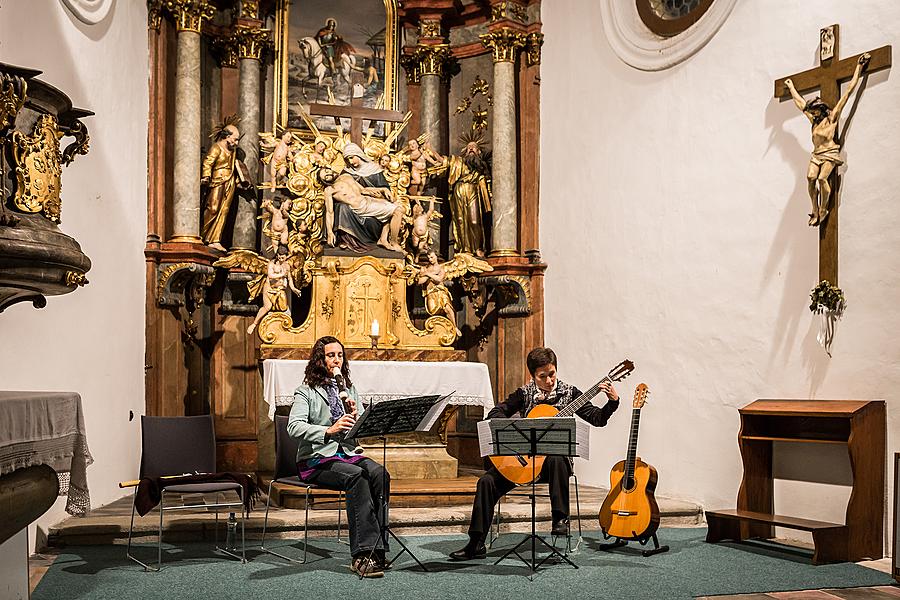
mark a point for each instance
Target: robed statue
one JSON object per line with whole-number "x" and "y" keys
{"x": 222, "y": 172}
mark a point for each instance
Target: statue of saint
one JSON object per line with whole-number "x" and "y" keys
{"x": 222, "y": 172}
{"x": 468, "y": 175}
{"x": 826, "y": 153}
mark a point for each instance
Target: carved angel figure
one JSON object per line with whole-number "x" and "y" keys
{"x": 277, "y": 155}
{"x": 434, "y": 276}
{"x": 420, "y": 155}
{"x": 274, "y": 280}
{"x": 277, "y": 226}
{"x": 420, "y": 231}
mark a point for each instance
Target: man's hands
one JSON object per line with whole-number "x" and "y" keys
{"x": 608, "y": 389}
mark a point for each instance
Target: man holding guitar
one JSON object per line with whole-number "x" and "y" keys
{"x": 546, "y": 395}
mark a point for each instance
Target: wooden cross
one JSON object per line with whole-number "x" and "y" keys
{"x": 828, "y": 77}
{"x": 356, "y": 112}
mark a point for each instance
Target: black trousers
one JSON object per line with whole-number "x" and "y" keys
{"x": 492, "y": 486}
{"x": 362, "y": 485}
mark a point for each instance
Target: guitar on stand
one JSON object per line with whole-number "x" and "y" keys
{"x": 519, "y": 469}
{"x": 630, "y": 512}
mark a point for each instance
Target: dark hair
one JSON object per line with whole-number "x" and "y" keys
{"x": 540, "y": 357}
{"x": 316, "y": 372}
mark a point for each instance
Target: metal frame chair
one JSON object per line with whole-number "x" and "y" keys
{"x": 173, "y": 446}
{"x": 570, "y": 549}
{"x": 286, "y": 474}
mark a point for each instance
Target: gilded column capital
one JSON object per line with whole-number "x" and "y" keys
{"x": 410, "y": 64}
{"x": 189, "y": 14}
{"x": 533, "y": 43}
{"x": 505, "y": 43}
{"x": 226, "y": 51}
{"x": 154, "y": 14}
{"x": 251, "y": 41}
{"x": 433, "y": 58}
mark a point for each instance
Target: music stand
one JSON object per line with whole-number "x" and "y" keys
{"x": 400, "y": 415}
{"x": 551, "y": 436}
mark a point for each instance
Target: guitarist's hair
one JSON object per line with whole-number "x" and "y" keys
{"x": 540, "y": 357}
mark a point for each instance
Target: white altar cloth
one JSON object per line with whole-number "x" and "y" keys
{"x": 381, "y": 380}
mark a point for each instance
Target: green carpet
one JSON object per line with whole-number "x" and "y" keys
{"x": 691, "y": 568}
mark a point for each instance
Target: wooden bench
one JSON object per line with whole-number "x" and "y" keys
{"x": 830, "y": 539}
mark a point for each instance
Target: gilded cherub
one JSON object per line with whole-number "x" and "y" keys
{"x": 434, "y": 276}
{"x": 274, "y": 278}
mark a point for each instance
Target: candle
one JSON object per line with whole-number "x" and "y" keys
{"x": 375, "y": 328}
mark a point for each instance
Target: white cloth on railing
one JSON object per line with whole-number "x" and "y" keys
{"x": 47, "y": 428}
{"x": 382, "y": 380}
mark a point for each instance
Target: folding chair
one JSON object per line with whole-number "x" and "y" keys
{"x": 286, "y": 474}
{"x": 570, "y": 549}
{"x": 173, "y": 446}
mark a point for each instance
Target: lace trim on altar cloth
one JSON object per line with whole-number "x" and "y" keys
{"x": 472, "y": 400}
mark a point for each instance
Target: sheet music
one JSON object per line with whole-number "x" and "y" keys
{"x": 582, "y": 436}
{"x": 434, "y": 413}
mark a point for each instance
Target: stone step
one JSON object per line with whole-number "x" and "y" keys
{"x": 109, "y": 524}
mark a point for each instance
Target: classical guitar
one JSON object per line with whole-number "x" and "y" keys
{"x": 518, "y": 469}
{"x": 630, "y": 511}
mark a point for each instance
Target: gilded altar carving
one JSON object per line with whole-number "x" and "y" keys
{"x": 509, "y": 10}
{"x": 178, "y": 283}
{"x": 251, "y": 41}
{"x": 504, "y": 43}
{"x": 433, "y": 58}
{"x": 75, "y": 279}
{"x": 429, "y": 28}
{"x": 412, "y": 67}
{"x": 360, "y": 290}
{"x": 190, "y": 14}
{"x": 154, "y": 14}
{"x": 225, "y": 49}
{"x": 249, "y": 9}
{"x": 38, "y": 169}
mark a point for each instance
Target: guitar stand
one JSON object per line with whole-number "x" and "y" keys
{"x": 620, "y": 542}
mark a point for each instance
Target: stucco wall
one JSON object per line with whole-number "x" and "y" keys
{"x": 673, "y": 218}
{"x": 91, "y": 341}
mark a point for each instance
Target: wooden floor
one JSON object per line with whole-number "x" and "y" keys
{"x": 868, "y": 593}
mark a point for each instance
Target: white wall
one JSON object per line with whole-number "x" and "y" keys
{"x": 92, "y": 340}
{"x": 675, "y": 204}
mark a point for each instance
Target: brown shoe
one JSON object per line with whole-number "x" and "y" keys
{"x": 364, "y": 567}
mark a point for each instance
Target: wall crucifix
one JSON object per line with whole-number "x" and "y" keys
{"x": 824, "y": 114}
{"x": 356, "y": 112}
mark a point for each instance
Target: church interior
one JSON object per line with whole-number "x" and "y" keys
{"x": 434, "y": 194}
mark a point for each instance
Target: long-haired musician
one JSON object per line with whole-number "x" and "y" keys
{"x": 325, "y": 407}
{"x": 544, "y": 388}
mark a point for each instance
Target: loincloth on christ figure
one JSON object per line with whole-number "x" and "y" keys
{"x": 830, "y": 155}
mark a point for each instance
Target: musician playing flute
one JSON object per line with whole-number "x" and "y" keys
{"x": 324, "y": 408}
{"x": 544, "y": 388}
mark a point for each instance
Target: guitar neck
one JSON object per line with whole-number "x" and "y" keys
{"x": 632, "y": 444}
{"x": 573, "y": 407}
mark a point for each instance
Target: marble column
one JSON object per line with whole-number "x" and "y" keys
{"x": 189, "y": 15}
{"x": 505, "y": 44}
{"x": 251, "y": 42}
{"x": 432, "y": 70}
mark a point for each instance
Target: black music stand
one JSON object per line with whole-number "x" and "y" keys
{"x": 400, "y": 415}
{"x": 552, "y": 436}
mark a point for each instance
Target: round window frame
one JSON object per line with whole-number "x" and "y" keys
{"x": 670, "y": 27}
{"x": 639, "y": 47}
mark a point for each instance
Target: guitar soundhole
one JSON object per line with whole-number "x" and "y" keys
{"x": 628, "y": 485}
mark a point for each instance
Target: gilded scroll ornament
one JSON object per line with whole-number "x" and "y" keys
{"x": 429, "y": 28}
{"x": 81, "y": 145}
{"x": 504, "y": 43}
{"x": 38, "y": 169}
{"x": 433, "y": 58}
{"x": 74, "y": 279}
{"x": 249, "y": 9}
{"x": 252, "y": 42}
{"x": 11, "y": 101}
{"x": 509, "y": 10}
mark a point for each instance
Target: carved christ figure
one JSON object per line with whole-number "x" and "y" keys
{"x": 826, "y": 150}
{"x": 364, "y": 202}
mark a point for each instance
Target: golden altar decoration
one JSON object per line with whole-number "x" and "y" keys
{"x": 348, "y": 293}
